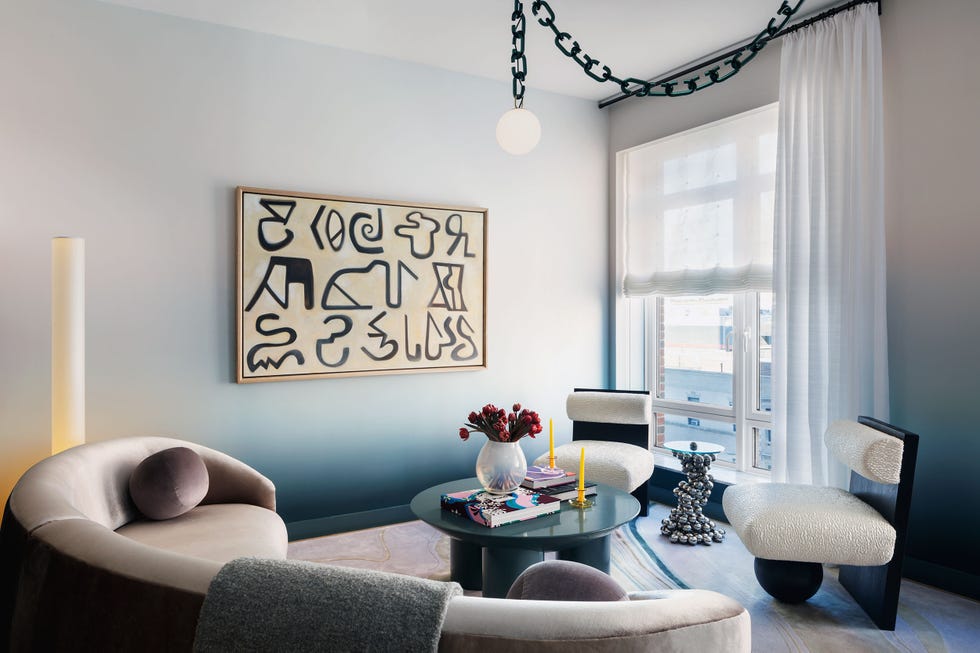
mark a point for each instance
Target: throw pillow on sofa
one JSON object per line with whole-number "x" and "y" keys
{"x": 564, "y": 580}
{"x": 169, "y": 483}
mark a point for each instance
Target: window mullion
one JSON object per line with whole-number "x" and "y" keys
{"x": 738, "y": 380}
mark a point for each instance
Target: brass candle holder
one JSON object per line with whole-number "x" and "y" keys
{"x": 580, "y": 502}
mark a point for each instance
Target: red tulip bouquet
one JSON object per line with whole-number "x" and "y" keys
{"x": 500, "y": 426}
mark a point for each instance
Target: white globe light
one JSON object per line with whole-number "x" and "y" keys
{"x": 518, "y": 131}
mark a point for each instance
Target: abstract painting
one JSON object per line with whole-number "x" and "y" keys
{"x": 334, "y": 286}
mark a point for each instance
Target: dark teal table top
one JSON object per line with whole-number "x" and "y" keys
{"x": 568, "y": 527}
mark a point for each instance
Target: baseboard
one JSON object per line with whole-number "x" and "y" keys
{"x": 353, "y": 521}
{"x": 944, "y": 578}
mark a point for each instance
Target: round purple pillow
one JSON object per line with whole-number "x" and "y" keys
{"x": 564, "y": 580}
{"x": 169, "y": 483}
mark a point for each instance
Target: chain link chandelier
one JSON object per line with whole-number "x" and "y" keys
{"x": 519, "y": 130}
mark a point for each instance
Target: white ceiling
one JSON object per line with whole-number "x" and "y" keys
{"x": 635, "y": 38}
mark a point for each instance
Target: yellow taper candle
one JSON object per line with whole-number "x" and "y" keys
{"x": 581, "y": 476}
{"x": 551, "y": 443}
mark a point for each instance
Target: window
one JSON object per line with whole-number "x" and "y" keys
{"x": 694, "y": 324}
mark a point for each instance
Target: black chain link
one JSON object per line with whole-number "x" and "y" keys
{"x": 518, "y": 62}
{"x": 635, "y": 87}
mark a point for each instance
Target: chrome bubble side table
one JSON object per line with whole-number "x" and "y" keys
{"x": 686, "y": 523}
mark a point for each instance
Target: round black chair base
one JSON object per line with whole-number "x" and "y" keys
{"x": 787, "y": 580}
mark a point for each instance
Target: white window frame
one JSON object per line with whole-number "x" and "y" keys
{"x": 744, "y": 412}
{"x": 635, "y": 321}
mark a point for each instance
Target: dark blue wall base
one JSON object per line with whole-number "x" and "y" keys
{"x": 664, "y": 481}
{"x": 945, "y": 578}
{"x": 353, "y": 521}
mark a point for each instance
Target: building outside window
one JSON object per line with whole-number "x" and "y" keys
{"x": 694, "y": 323}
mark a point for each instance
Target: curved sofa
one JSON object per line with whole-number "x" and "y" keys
{"x": 82, "y": 570}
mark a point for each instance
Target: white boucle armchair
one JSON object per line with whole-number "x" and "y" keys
{"x": 613, "y": 426}
{"x": 791, "y": 529}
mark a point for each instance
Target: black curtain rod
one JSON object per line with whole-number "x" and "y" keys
{"x": 613, "y": 99}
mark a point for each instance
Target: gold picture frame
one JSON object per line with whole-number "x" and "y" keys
{"x": 332, "y": 286}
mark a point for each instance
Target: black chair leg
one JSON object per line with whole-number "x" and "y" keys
{"x": 876, "y": 590}
{"x": 789, "y": 581}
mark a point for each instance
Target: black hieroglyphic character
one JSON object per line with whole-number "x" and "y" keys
{"x": 422, "y": 236}
{"x": 412, "y": 352}
{"x": 445, "y": 339}
{"x": 369, "y": 232}
{"x": 393, "y": 287}
{"x": 460, "y": 235}
{"x": 458, "y": 349}
{"x": 297, "y": 270}
{"x": 269, "y": 205}
{"x": 449, "y": 287}
{"x": 346, "y": 324}
{"x": 268, "y": 361}
{"x": 334, "y": 228}
{"x": 378, "y": 332}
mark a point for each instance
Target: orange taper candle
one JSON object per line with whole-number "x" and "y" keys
{"x": 581, "y": 476}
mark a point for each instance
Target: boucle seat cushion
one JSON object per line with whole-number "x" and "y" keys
{"x": 623, "y": 466}
{"x": 219, "y": 532}
{"x": 808, "y": 523}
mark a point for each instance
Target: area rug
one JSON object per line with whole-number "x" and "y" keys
{"x": 929, "y": 620}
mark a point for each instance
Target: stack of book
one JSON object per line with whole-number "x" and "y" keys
{"x": 495, "y": 510}
{"x": 555, "y": 482}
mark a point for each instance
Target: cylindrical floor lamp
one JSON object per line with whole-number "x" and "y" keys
{"x": 67, "y": 343}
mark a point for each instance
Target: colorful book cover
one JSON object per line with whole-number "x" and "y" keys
{"x": 540, "y": 476}
{"x": 498, "y": 509}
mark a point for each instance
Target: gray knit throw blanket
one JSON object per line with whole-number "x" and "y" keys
{"x": 284, "y": 605}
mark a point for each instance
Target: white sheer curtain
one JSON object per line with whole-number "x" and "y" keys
{"x": 829, "y": 331}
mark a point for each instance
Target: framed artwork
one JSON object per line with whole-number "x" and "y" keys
{"x": 337, "y": 286}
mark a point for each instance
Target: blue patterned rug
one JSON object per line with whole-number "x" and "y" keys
{"x": 929, "y": 620}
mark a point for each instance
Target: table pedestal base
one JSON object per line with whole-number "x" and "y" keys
{"x": 494, "y": 569}
{"x": 466, "y": 564}
{"x": 686, "y": 523}
{"x": 502, "y": 566}
{"x": 594, "y": 553}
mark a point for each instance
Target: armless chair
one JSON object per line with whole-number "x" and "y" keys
{"x": 792, "y": 529}
{"x": 614, "y": 428}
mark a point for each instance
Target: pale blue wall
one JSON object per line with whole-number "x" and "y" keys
{"x": 132, "y": 130}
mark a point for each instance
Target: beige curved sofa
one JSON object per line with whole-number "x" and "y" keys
{"x": 81, "y": 570}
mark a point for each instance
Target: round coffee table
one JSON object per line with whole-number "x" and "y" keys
{"x": 492, "y": 558}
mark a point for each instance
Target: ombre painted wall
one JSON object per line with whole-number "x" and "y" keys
{"x": 132, "y": 130}
{"x": 932, "y": 155}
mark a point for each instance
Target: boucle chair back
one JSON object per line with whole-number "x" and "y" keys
{"x": 874, "y": 455}
{"x": 608, "y": 406}
{"x": 610, "y": 415}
